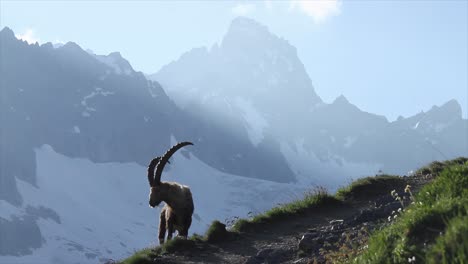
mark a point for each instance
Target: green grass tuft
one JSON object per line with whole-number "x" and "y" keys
{"x": 369, "y": 187}
{"x": 144, "y": 256}
{"x": 436, "y": 167}
{"x": 216, "y": 232}
{"x": 315, "y": 199}
{"x": 452, "y": 247}
{"x": 177, "y": 244}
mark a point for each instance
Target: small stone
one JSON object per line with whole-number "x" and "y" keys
{"x": 268, "y": 255}
{"x": 336, "y": 221}
{"x": 310, "y": 242}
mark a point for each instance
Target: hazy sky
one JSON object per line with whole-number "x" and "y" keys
{"x": 387, "y": 57}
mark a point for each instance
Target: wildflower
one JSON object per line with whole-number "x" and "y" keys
{"x": 408, "y": 188}
{"x": 399, "y": 210}
{"x": 390, "y": 218}
{"x": 411, "y": 260}
{"x": 393, "y": 212}
{"x": 395, "y": 216}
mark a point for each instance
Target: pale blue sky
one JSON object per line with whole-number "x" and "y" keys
{"x": 387, "y": 57}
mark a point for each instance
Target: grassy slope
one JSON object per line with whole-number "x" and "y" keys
{"x": 434, "y": 229}
{"x": 378, "y": 250}
{"x": 313, "y": 200}
{"x": 366, "y": 188}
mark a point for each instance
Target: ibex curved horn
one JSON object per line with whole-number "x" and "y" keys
{"x": 165, "y": 158}
{"x": 151, "y": 168}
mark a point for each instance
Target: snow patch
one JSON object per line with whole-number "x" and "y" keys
{"x": 103, "y": 208}
{"x": 349, "y": 141}
{"x": 8, "y": 210}
{"x": 255, "y": 122}
{"x": 330, "y": 171}
{"x": 84, "y": 101}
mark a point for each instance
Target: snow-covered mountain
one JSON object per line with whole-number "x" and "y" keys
{"x": 256, "y": 80}
{"x": 98, "y": 109}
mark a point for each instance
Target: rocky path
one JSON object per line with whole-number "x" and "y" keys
{"x": 309, "y": 238}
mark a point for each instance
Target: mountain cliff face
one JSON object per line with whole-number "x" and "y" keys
{"x": 440, "y": 133}
{"x": 80, "y": 106}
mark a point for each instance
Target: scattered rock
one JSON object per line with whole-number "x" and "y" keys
{"x": 310, "y": 242}
{"x": 301, "y": 261}
{"x": 336, "y": 221}
{"x": 269, "y": 256}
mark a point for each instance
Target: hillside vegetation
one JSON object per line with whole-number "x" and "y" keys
{"x": 430, "y": 225}
{"x": 434, "y": 228}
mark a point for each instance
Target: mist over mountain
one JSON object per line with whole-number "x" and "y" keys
{"x": 77, "y": 130}
{"x": 251, "y": 73}
{"x": 258, "y": 77}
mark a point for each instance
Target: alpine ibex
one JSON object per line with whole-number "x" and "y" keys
{"x": 177, "y": 212}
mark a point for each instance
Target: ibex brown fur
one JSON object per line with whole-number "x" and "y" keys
{"x": 177, "y": 212}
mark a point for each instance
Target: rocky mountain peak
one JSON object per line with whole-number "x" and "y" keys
{"x": 341, "y": 100}
{"x": 251, "y": 58}
{"x": 246, "y": 35}
{"x": 73, "y": 48}
{"x": 439, "y": 117}
{"x": 451, "y": 108}
{"x": 247, "y": 27}
{"x": 6, "y": 32}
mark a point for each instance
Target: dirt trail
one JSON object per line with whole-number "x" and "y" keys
{"x": 272, "y": 239}
{"x": 279, "y": 242}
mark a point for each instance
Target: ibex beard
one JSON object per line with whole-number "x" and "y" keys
{"x": 176, "y": 215}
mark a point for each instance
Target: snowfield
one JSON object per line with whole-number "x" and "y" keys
{"x": 103, "y": 208}
{"x": 330, "y": 171}
{"x": 254, "y": 121}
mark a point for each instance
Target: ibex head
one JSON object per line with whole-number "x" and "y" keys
{"x": 157, "y": 193}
